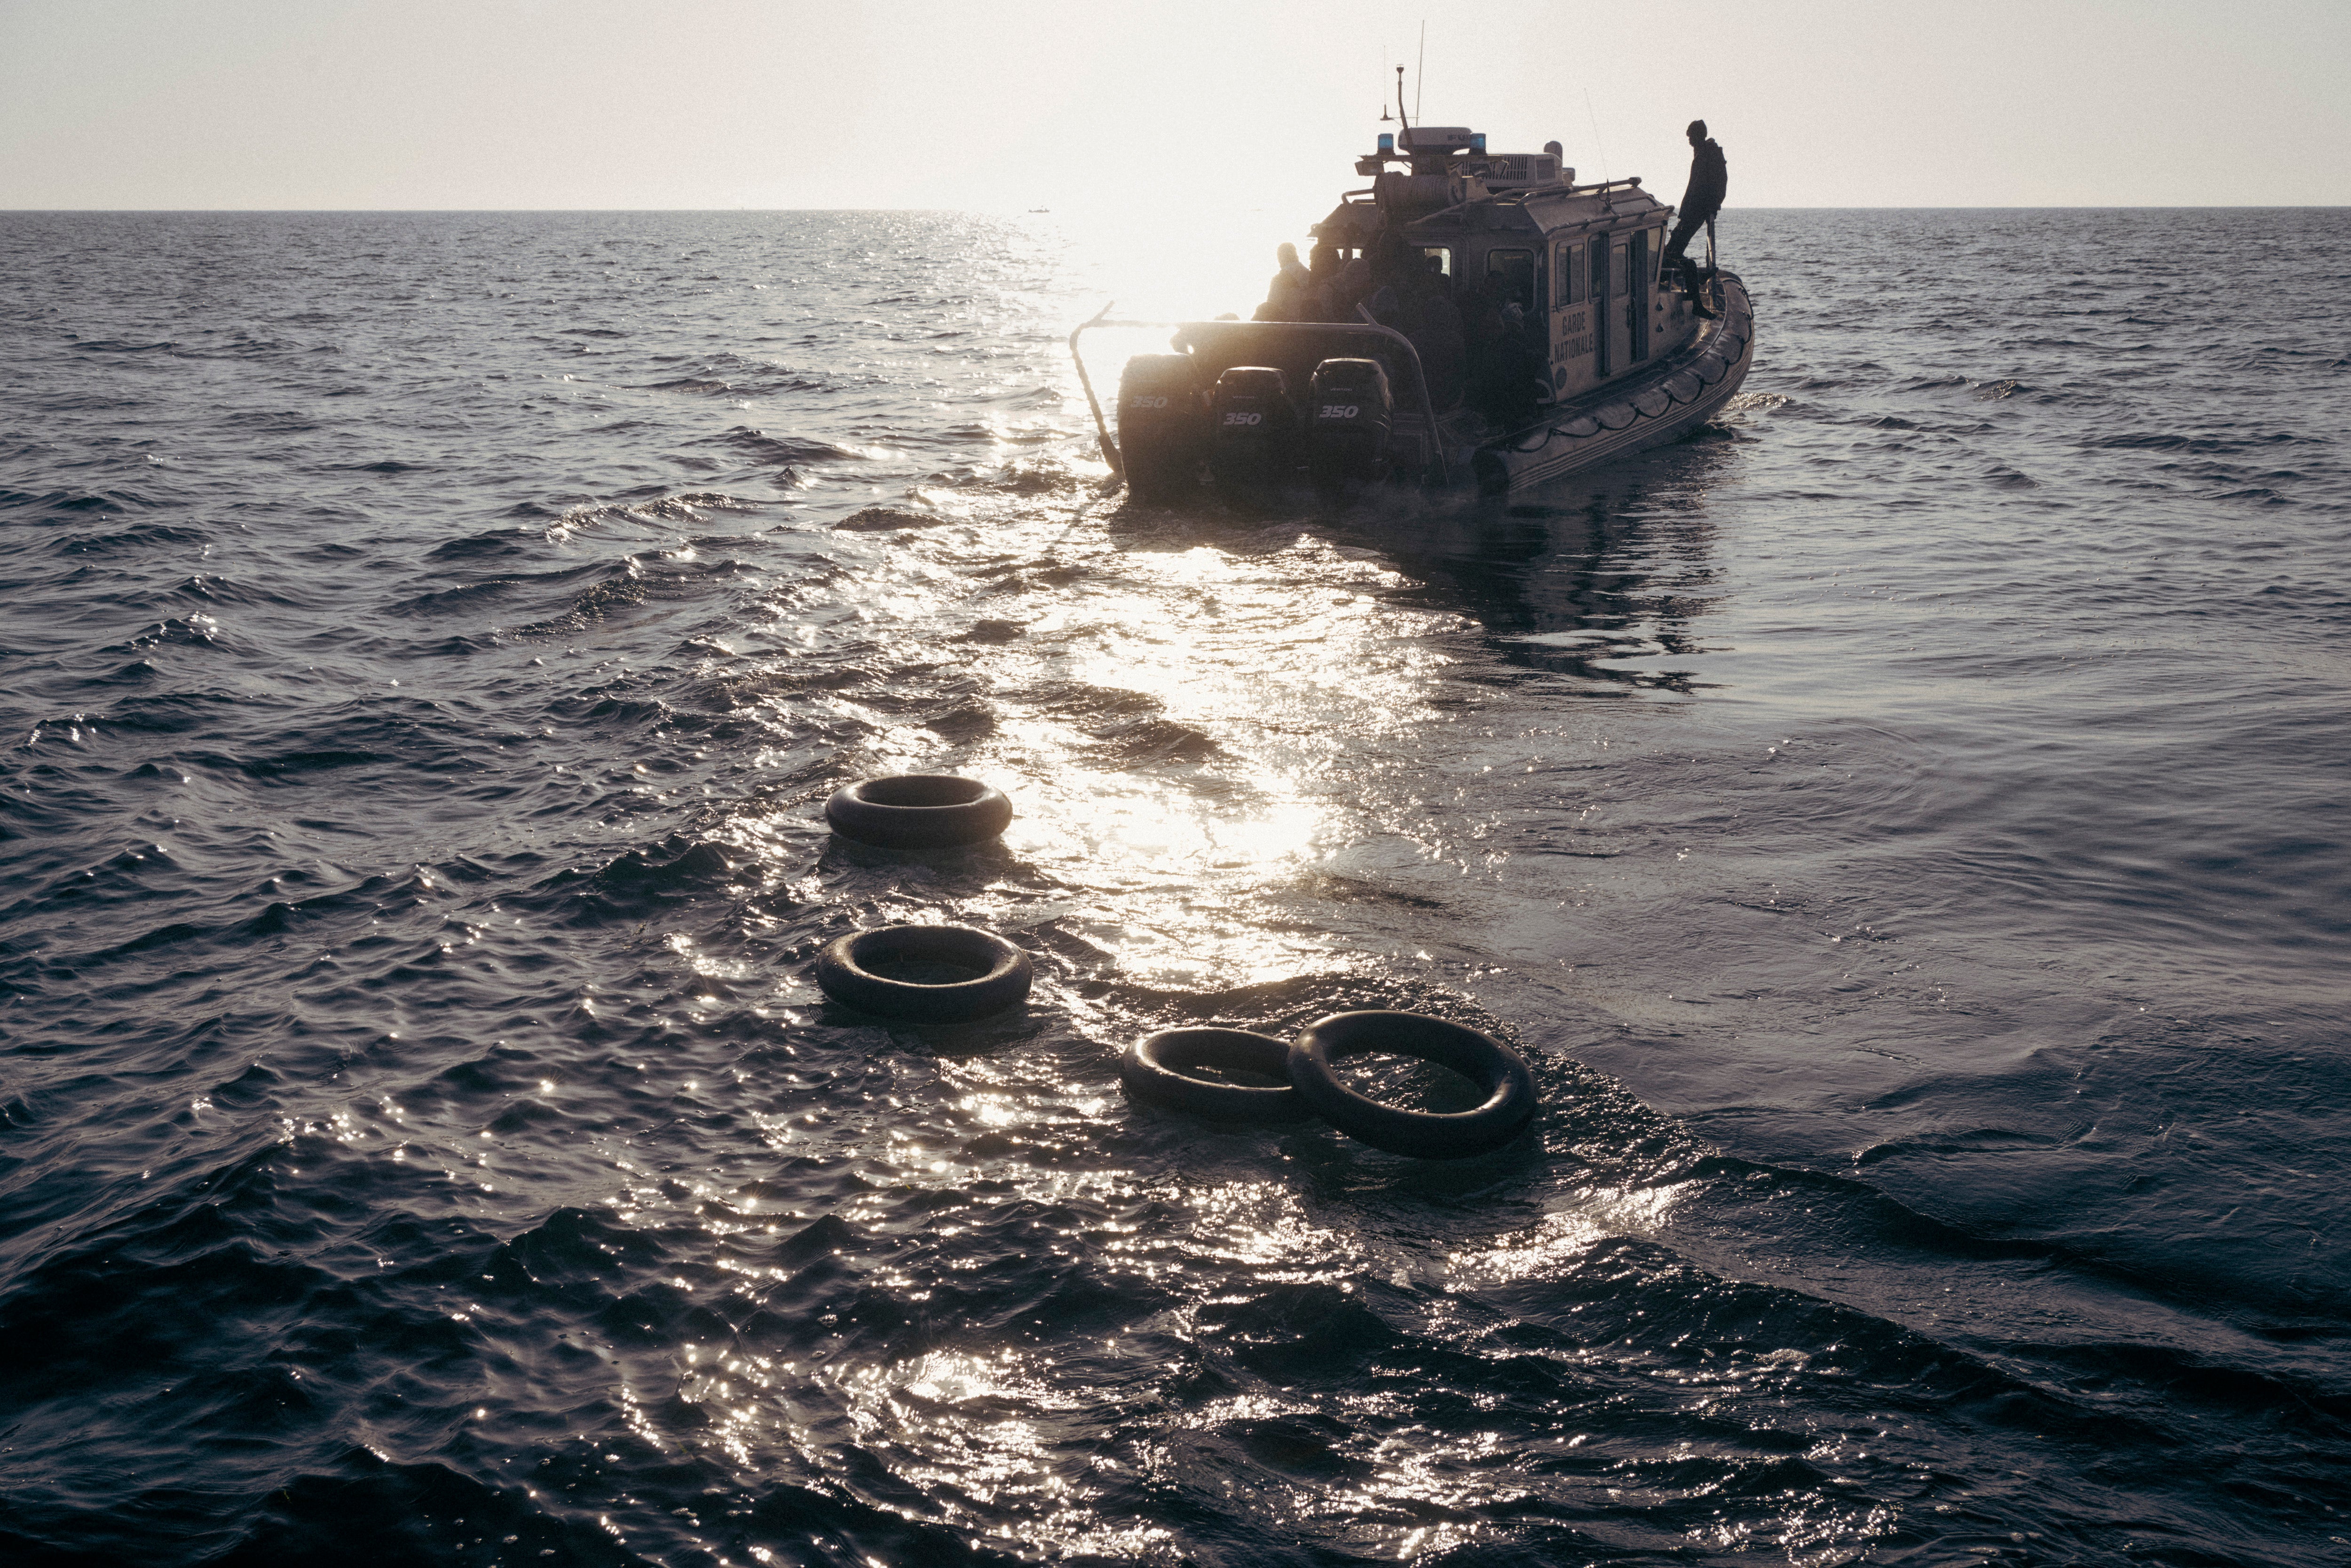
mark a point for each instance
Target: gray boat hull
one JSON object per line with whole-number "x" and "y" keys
{"x": 1662, "y": 403}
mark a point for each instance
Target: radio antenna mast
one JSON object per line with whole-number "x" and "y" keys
{"x": 1598, "y": 145}
{"x": 1421, "y": 71}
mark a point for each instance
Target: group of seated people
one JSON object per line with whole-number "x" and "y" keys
{"x": 1477, "y": 346}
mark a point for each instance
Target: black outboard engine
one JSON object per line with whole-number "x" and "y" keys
{"x": 1349, "y": 413}
{"x": 1163, "y": 425}
{"x": 1252, "y": 429}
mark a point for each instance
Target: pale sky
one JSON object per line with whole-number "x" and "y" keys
{"x": 1177, "y": 106}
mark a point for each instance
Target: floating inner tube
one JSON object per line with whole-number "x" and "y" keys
{"x": 844, "y": 971}
{"x": 1158, "y": 1068}
{"x": 1508, "y": 1106}
{"x": 918, "y": 811}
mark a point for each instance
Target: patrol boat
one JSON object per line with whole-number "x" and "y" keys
{"x": 1603, "y": 355}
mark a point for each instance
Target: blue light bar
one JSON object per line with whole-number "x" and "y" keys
{"x": 1387, "y": 143}
{"x": 1477, "y": 142}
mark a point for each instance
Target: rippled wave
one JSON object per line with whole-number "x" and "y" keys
{"x": 1902, "y": 825}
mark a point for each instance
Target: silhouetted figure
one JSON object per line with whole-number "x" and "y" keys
{"x": 1434, "y": 326}
{"x": 1709, "y": 181}
{"x": 1289, "y": 285}
{"x": 1391, "y": 269}
{"x": 1354, "y": 286}
{"x": 1503, "y": 368}
{"x": 1318, "y": 301}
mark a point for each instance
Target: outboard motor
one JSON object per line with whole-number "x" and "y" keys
{"x": 1253, "y": 431}
{"x": 1349, "y": 413}
{"x": 1163, "y": 425}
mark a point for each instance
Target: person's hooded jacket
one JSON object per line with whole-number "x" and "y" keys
{"x": 1710, "y": 179}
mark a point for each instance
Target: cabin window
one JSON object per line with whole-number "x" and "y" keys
{"x": 1657, "y": 252}
{"x": 1620, "y": 272}
{"x": 1510, "y": 274}
{"x": 1442, "y": 255}
{"x": 1568, "y": 268}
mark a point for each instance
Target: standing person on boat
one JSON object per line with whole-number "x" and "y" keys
{"x": 1434, "y": 326}
{"x": 1318, "y": 301}
{"x": 1288, "y": 285}
{"x": 1354, "y": 286}
{"x": 1503, "y": 366}
{"x": 1709, "y": 181}
{"x": 1389, "y": 262}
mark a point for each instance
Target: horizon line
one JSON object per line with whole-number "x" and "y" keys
{"x": 1807, "y": 207}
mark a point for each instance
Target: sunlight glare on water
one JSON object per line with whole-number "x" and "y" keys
{"x": 1902, "y": 828}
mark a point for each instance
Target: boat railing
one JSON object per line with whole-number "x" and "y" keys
{"x": 1101, "y": 426}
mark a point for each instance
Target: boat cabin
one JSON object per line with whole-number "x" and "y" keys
{"x": 1490, "y": 319}
{"x": 1582, "y": 261}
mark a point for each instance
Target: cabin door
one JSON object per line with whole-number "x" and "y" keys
{"x": 1603, "y": 357}
{"x": 1636, "y": 299}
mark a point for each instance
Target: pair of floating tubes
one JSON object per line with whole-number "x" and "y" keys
{"x": 933, "y": 811}
{"x": 923, "y": 812}
{"x": 1158, "y": 1069}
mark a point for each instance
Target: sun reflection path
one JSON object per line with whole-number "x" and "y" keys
{"x": 1192, "y": 721}
{"x": 978, "y": 1294}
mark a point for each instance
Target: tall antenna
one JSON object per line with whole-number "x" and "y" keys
{"x": 1420, "y": 71}
{"x": 1598, "y": 145}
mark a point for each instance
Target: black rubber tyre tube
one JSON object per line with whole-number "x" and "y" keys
{"x": 1154, "y": 1068}
{"x": 841, "y": 973}
{"x": 918, "y": 811}
{"x": 1508, "y": 1106}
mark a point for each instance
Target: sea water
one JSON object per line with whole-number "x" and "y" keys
{"x": 1904, "y": 826}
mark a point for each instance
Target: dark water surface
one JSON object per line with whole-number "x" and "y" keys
{"x": 1905, "y": 826}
